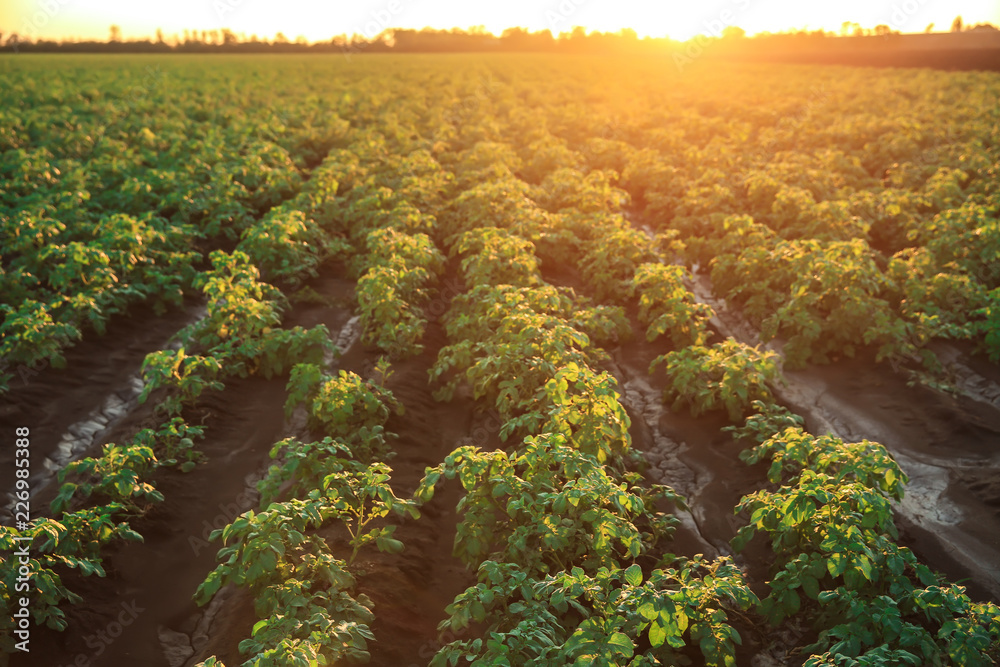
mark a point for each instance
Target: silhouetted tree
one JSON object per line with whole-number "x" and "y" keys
{"x": 956, "y": 25}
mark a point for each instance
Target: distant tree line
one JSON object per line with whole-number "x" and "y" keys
{"x": 974, "y": 47}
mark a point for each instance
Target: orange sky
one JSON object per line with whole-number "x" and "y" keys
{"x": 321, "y": 19}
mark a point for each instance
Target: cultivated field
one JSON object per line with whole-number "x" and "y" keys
{"x": 509, "y": 360}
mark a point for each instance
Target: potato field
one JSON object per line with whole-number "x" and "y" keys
{"x": 499, "y": 360}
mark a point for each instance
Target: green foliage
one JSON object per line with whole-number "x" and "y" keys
{"x": 240, "y": 326}
{"x": 613, "y": 616}
{"x": 286, "y": 244}
{"x": 768, "y": 420}
{"x": 901, "y": 631}
{"x": 301, "y": 592}
{"x": 666, "y": 306}
{"x": 550, "y": 508}
{"x": 270, "y": 547}
{"x": 793, "y": 451}
{"x": 345, "y": 407}
{"x": 611, "y": 262}
{"x": 992, "y": 325}
{"x": 583, "y": 407}
{"x": 305, "y": 465}
{"x": 501, "y": 202}
{"x": 727, "y": 375}
{"x": 890, "y": 239}
{"x": 826, "y": 298}
{"x": 188, "y": 376}
{"x": 938, "y": 302}
{"x": 175, "y": 440}
{"x": 74, "y": 541}
{"x": 836, "y": 564}
{"x": 31, "y": 335}
{"x": 118, "y": 475}
{"x": 389, "y": 320}
{"x": 821, "y": 525}
{"x": 497, "y": 257}
{"x": 573, "y": 190}
{"x": 361, "y": 494}
{"x": 512, "y": 340}
{"x": 400, "y": 269}
{"x": 348, "y": 405}
{"x": 239, "y": 305}
{"x": 967, "y": 235}
{"x": 279, "y": 350}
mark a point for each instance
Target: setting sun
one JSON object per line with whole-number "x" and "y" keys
{"x": 317, "y": 20}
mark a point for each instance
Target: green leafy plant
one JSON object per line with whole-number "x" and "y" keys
{"x": 305, "y": 465}
{"x": 301, "y": 592}
{"x": 667, "y": 307}
{"x": 188, "y": 376}
{"x": 74, "y": 541}
{"x": 609, "y": 617}
{"x": 400, "y": 269}
{"x": 768, "y": 420}
{"x": 550, "y": 508}
{"x": 727, "y": 375}
{"x": 832, "y": 532}
{"x": 582, "y": 406}
{"x": 497, "y": 257}
{"x": 175, "y": 440}
{"x": 611, "y": 262}
{"x": 359, "y": 495}
{"x": 118, "y": 475}
{"x": 239, "y": 305}
{"x": 286, "y": 244}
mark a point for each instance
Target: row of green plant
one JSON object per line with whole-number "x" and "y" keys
{"x": 387, "y": 208}
{"x": 567, "y": 551}
{"x": 304, "y": 596}
{"x": 727, "y": 375}
{"x": 837, "y": 567}
{"x": 898, "y": 221}
{"x": 239, "y": 335}
{"x": 830, "y": 298}
{"x": 115, "y": 205}
{"x": 828, "y": 514}
{"x": 568, "y": 545}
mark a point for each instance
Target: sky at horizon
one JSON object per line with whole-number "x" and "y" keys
{"x": 319, "y": 20}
